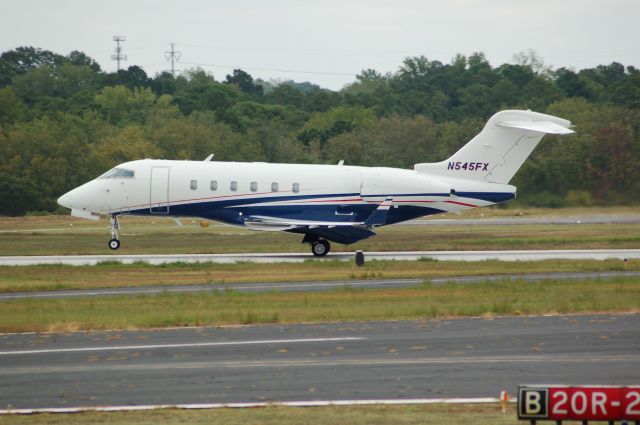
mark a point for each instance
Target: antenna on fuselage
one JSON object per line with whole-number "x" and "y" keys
{"x": 209, "y": 158}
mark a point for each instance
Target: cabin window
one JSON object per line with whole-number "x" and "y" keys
{"x": 274, "y": 186}
{"x": 234, "y": 186}
{"x": 253, "y": 186}
{"x": 118, "y": 173}
{"x": 194, "y": 184}
{"x": 213, "y": 185}
{"x": 295, "y": 187}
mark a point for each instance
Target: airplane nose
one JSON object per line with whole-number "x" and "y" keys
{"x": 66, "y": 200}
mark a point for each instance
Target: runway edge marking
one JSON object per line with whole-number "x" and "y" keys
{"x": 194, "y": 344}
{"x": 314, "y": 403}
{"x": 155, "y": 259}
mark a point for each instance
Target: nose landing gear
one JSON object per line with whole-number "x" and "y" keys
{"x": 114, "y": 243}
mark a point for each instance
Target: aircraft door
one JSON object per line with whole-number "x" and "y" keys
{"x": 159, "y": 190}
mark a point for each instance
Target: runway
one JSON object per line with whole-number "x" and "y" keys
{"x": 311, "y": 286}
{"x": 628, "y": 218}
{"x": 356, "y": 361}
{"x": 521, "y": 255}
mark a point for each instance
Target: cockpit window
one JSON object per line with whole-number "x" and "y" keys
{"x": 118, "y": 173}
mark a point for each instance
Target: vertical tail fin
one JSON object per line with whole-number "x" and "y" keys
{"x": 500, "y": 149}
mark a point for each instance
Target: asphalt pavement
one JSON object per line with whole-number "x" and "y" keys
{"x": 355, "y": 361}
{"x": 292, "y": 257}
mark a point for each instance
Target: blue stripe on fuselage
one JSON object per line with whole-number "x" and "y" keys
{"x": 233, "y": 210}
{"x": 326, "y": 212}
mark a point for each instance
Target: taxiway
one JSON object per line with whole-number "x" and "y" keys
{"x": 363, "y": 360}
{"x": 521, "y": 255}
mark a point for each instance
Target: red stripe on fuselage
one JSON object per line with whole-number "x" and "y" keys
{"x": 324, "y": 200}
{"x": 462, "y": 203}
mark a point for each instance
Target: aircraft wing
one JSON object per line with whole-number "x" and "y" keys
{"x": 345, "y": 232}
{"x": 341, "y": 232}
{"x": 277, "y": 223}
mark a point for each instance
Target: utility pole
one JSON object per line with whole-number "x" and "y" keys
{"x": 174, "y": 57}
{"x": 118, "y": 56}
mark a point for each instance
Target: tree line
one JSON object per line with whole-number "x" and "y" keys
{"x": 64, "y": 121}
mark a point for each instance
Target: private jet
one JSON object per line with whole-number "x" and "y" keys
{"x": 324, "y": 203}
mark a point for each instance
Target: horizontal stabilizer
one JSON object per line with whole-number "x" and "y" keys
{"x": 547, "y": 127}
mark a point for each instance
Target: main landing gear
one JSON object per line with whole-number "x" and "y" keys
{"x": 320, "y": 248}
{"x": 114, "y": 243}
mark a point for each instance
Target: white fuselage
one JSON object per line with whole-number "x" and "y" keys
{"x": 231, "y": 191}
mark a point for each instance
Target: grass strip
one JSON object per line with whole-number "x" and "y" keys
{"x": 222, "y": 307}
{"x": 435, "y": 414}
{"x": 113, "y": 274}
{"x": 57, "y": 235}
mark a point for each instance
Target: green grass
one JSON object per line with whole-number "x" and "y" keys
{"x": 347, "y": 304}
{"x": 64, "y": 235}
{"x": 437, "y": 414}
{"x": 113, "y": 274}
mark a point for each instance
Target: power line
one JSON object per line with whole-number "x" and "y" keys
{"x": 118, "y": 56}
{"x": 173, "y": 56}
{"x": 270, "y": 69}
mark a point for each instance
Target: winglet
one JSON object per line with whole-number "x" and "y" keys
{"x": 379, "y": 216}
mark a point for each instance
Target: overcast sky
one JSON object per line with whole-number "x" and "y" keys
{"x": 326, "y": 42}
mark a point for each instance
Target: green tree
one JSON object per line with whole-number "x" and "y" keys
{"x": 277, "y": 142}
{"x": 121, "y": 105}
{"x": 11, "y": 108}
{"x": 614, "y": 164}
{"x": 193, "y": 137}
{"x": 81, "y": 59}
{"x": 245, "y": 83}
{"x": 626, "y": 92}
{"x": 324, "y": 125}
{"x": 285, "y": 94}
{"x": 132, "y": 77}
{"x": 128, "y": 144}
{"x": 24, "y": 59}
{"x": 48, "y": 89}
{"x": 392, "y": 141}
{"x": 571, "y": 84}
{"x": 166, "y": 83}
{"x": 245, "y": 115}
{"x": 50, "y": 155}
{"x": 198, "y": 91}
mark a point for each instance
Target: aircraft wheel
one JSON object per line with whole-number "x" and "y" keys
{"x": 320, "y": 248}
{"x": 114, "y": 244}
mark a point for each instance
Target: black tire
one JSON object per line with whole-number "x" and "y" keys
{"x": 320, "y": 248}
{"x": 114, "y": 244}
